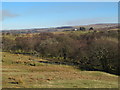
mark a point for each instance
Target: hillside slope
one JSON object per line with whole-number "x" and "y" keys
{"x": 20, "y": 71}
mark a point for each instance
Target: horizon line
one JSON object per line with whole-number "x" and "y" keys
{"x": 56, "y": 26}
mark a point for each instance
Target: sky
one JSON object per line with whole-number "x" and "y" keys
{"x": 27, "y": 15}
{"x": 60, "y": 0}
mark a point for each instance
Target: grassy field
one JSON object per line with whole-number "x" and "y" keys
{"x": 20, "y": 71}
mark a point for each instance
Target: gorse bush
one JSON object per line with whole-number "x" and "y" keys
{"x": 90, "y": 51}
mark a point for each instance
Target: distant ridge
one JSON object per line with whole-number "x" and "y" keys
{"x": 62, "y": 28}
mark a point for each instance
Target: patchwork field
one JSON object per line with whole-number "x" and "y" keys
{"x": 21, "y": 71}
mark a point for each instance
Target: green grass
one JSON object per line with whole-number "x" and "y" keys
{"x": 18, "y": 73}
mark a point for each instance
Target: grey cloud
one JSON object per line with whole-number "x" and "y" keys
{"x": 7, "y": 14}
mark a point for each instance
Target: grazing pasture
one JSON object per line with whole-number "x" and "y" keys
{"x": 19, "y": 71}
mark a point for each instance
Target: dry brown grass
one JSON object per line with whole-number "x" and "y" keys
{"x": 46, "y": 75}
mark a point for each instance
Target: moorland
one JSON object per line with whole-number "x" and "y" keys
{"x": 69, "y": 57}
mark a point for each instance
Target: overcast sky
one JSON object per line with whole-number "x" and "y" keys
{"x": 25, "y": 15}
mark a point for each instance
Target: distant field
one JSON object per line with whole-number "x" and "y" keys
{"x": 20, "y": 71}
